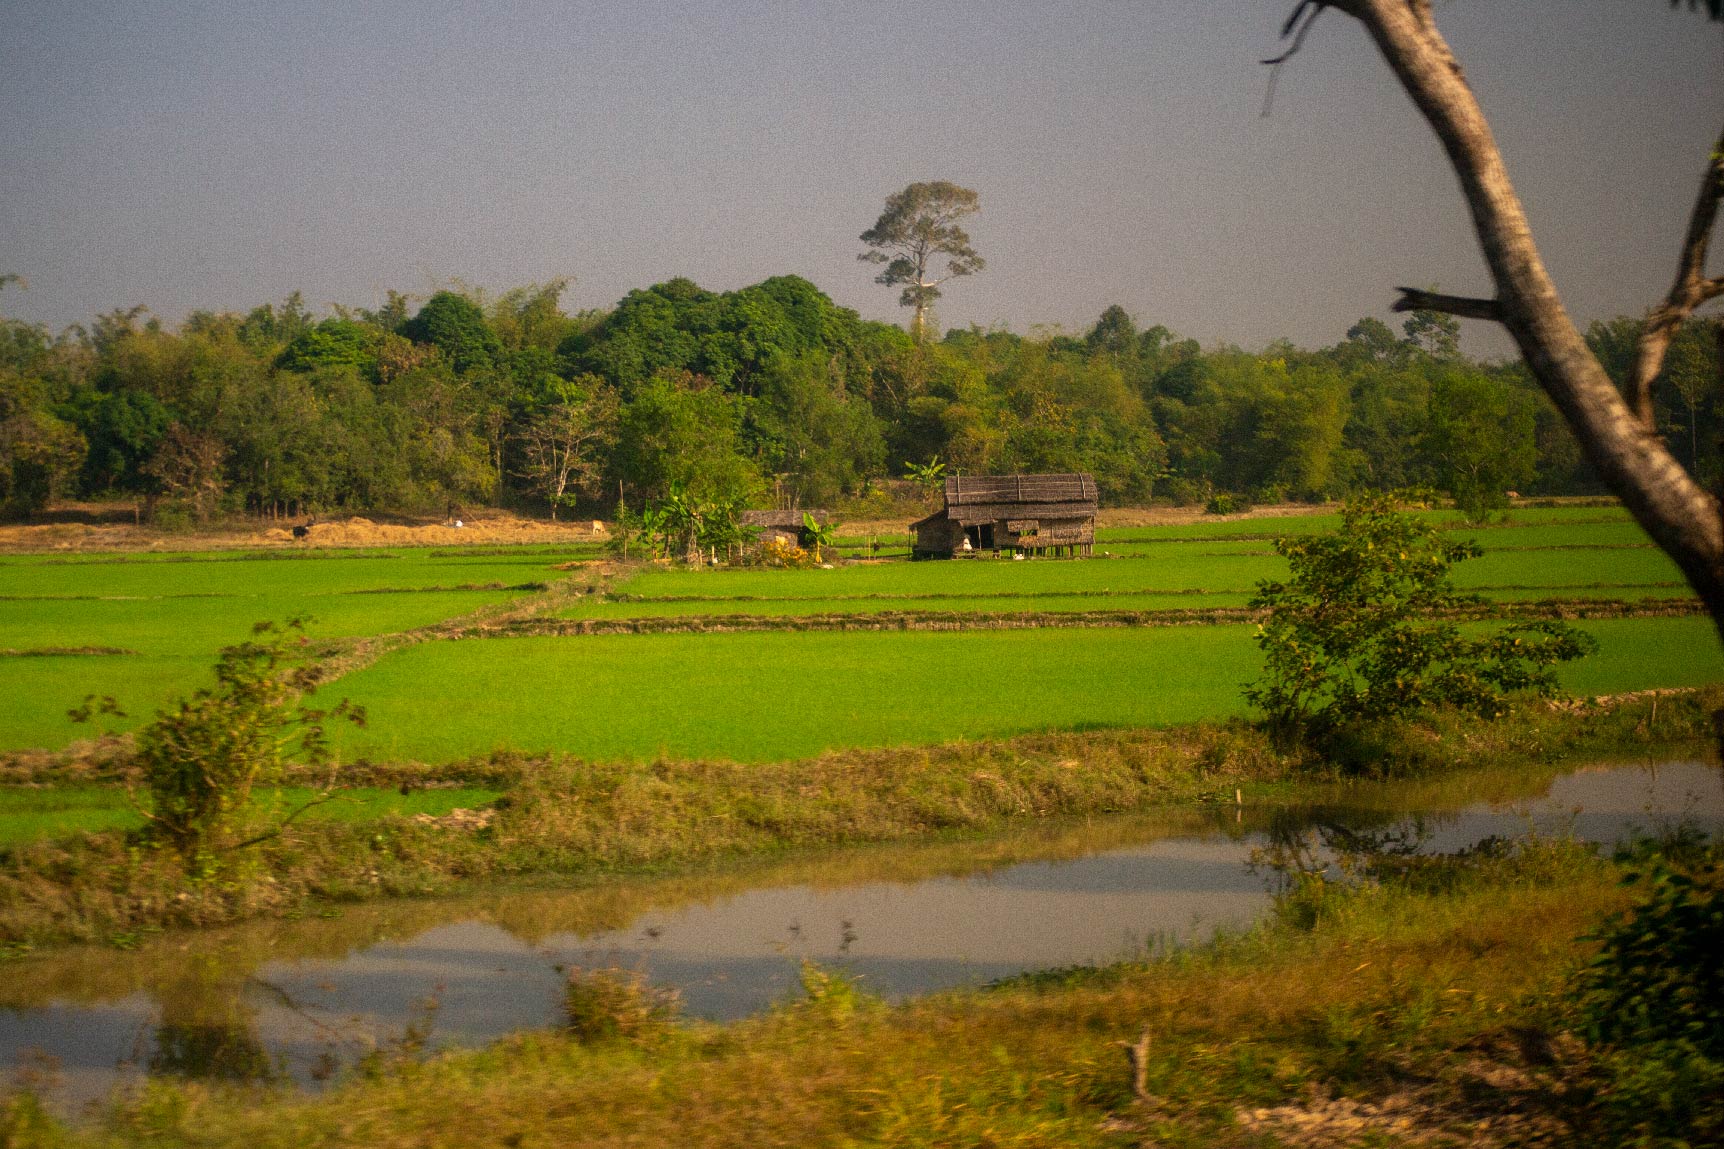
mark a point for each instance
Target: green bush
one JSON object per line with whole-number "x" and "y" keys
{"x": 1660, "y": 974}
{"x": 1356, "y": 634}
{"x": 1652, "y": 1004}
{"x": 201, "y": 761}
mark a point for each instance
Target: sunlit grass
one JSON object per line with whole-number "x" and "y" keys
{"x": 771, "y": 696}
{"x": 32, "y": 814}
{"x": 1392, "y": 991}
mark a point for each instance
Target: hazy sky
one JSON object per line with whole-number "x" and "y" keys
{"x": 221, "y": 154}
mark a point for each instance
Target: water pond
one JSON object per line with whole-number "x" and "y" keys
{"x": 300, "y": 1000}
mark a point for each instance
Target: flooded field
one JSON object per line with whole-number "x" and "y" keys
{"x": 302, "y": 1000}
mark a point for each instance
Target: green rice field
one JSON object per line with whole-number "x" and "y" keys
{"x": 167, "y": 615}
{"x": 764, "y": 697}
{"x": 144, "y": 628}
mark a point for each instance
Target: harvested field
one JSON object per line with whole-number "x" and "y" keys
{"x": 76, "y": 534}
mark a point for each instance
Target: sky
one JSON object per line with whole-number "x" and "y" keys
{"x": 217, "y": 155}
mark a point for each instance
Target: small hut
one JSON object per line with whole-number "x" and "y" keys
{"x": 1032, "y": 514}
{"x": 784, "y": 525}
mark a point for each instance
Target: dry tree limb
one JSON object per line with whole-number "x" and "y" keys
{"x": 1298, "y": 26}
{"x": 1691, "y": 289}
{"x": 1466, "y": 306}
{"x": 1681, "y": 515}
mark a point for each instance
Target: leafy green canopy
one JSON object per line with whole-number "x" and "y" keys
{"x": 274, "y": 412}
{"x": 456, "y": 326}
{"x": 1356, "y": 634}
{"x": 728, "y": 337}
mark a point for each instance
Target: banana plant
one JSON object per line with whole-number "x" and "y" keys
{"x": 927, "y": 475}
{"x": 821, "y": 536}
{"x": 653, "y": 522}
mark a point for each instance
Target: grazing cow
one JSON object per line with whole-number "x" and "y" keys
{"x": 304, "y": 529}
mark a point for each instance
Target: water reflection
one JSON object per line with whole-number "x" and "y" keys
{"x": 206, "y": 1027}
{"x": 296, "y": 1000}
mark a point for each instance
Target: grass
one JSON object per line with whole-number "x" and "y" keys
{"x": 175, "y": 642}
{"x": 1159, "y": 570}
{"x": 702, "y": 748}
{"x": 260, "y": 576}
{"x": 31, "y": 814}
{"x": 563, "y": 815}
{"x": 756, "y": 697}
{"x": 173, "y": 612}
{"x": 848, "y": 605}
{"x": 1403, "y": 1013}
{"x": 1640, "y": 653}
{"x": 1184, "y": 569}
{"x": 767, "y": 697}
{"x": 764, "y": 697}
{"x": 1513, "y": 536}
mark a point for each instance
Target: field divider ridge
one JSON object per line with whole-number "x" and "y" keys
{"x": 541, "y": 626}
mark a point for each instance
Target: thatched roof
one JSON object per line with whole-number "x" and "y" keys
{"x": 1001, "y": 490}
{"x": 988, "y": 498}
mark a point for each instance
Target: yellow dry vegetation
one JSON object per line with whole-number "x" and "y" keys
{"x": 1399, "y": 1020}
{"x": 502, "y": 529}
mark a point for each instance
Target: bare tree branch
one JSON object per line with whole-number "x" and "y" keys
{"x": 1315, "y": 9}
{"x": 1465, "y": 306}
{"x": 1137, "y": 1056}
{"x": 281, "y": 826}
{"x": 1690, "y": 290}
{"x": 1680, "y": 515}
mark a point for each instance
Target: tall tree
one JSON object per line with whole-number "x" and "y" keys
{"x": 456, "y": 326}
{"x": 1614, "y": 433}
{"x": 920, "y": 224}
{"x": 1478, "y": 440}
{"x": 561, "y": 443}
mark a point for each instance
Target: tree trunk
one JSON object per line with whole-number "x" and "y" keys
{"x": 1682, "y": 517}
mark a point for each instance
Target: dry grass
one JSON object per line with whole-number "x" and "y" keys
{"x": 1401, "y": 1019}
{"x": 487, "y": 528}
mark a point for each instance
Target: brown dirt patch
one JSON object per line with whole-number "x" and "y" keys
{"x": 77, "y": 532}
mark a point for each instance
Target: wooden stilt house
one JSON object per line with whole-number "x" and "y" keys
{"x": 1029, "y": 514}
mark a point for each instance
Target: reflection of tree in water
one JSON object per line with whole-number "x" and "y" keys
{"x": 207, "y": 1029}
{"x": 1306, "y": 844}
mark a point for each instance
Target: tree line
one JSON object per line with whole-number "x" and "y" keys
{"x": 770, "y": 392}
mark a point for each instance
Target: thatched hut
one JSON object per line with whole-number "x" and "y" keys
{"x": 784, "y": 525}
{"x": 1031, "y": 514}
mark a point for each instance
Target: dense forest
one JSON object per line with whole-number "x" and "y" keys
{"x": 769, "y": 392}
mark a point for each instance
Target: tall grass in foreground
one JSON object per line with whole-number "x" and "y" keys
{"x": 1404, "y": 1012}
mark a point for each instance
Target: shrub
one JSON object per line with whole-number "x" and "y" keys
{"x": 1652, "y": 1002}
{"x": 615, "y": 1005}
{"x": 1659, "y": 976}
{"x": 782, "y": 554}
{"x": 1225, "y": 503}
{"x": 1354, "y": 635}
{"x": 201, "y": 760}
{"x": 831, "y": 995}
